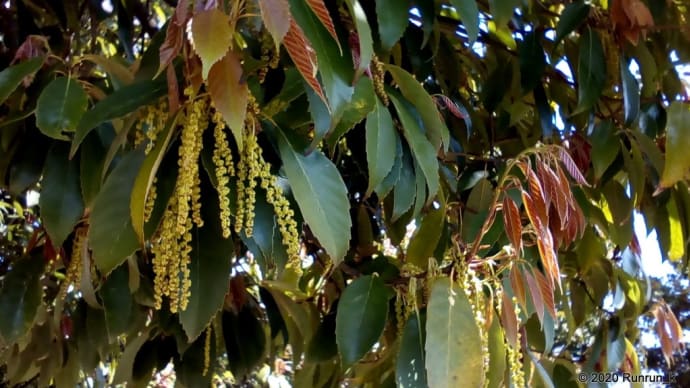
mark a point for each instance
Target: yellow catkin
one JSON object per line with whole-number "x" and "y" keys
{"x": 74, "y": 269}
{"x": 400, "y": 311}
{"x": 207, "y": 349}
{"x": 252, "y": 156}
{"x": 517, "y": 371}
{"x": 224, "y": 169}
{"x": 150, "y": 200}
{"x": 378, "y": 74}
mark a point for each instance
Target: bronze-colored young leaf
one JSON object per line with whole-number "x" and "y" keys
{"x": 321, "y": 12}
{"x": 509, "y": 320}
{"x": 211, "y": 37}
{"x": 303, "y": 55}
{"x": 512, "y": 222}
{"x": 571, "y": 167}
{"x": 517, "y": 283}
{"x": 535, "y": 294}
{"x": 229, "y": 93}
{"x": 546, "y": 289}
{"x": 276, "y": 18}
{"x": 536, "y": 192}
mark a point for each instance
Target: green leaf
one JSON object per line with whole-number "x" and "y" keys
{"x": 363, "y": 102}
{"x": 573, "y": 15}
{"x": 392, "y": 16}
{"x": 469, "y": 15}
{"x": 20, "y": 297}
{"x": 361, "y": 317}
{"x": 91, "y": 160}
{"x": 189, "y": 364}
{"x": 605, "y": 147}
{"x": 366, "y": 45}
{"x": 322, "y": 346}
{"x": 117, "y": 302}
{"x": 320, "y": 115}
{"x": 409, "y": 368}
{"x": 321, "y": 195}
{"x": 631, "y": 94}
{"x": 144, "y": 179}
{"x": 677, "y": 166}
{"x": 209, "y": 270}
{"x": 210, "y": 36}
{"x": 404, "y": 192}
{"x": 532, "y": 61}
{"x": 426, "y": 237}
{"x": 60, "y": 107}
{"x": 414, "y": 92}
{"x": 380, "y": 134}
{"x": 268, "y": 245}
{"x": 476, "y": 210}
{"x": 423, "y": 151}
{"x": 60, "y": 200}
{"x": 298, "y": 319}
{"x": 497, "y": 355}
{"x": 11, "y": 77}
{"x": 119, "y": 73}
{"x": 393, "y": 176}
{"x": 335, "y": 69}
{"x": 541, "y": 372}
{"x": 453, "y": 343}
{"x": 123, "y": 101}
{"x": 502, "y": 10}
{"x": 111, "y": 236}
{"x": 591, "y": 70}
{"x": 245, "y": 341}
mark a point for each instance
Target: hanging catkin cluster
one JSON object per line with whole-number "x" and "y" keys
{"x": 172, "y": 246}
{"x": 74, "y": 269}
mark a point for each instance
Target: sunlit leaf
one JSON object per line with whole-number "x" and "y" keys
{"x": 211, "y": 37}
{"x": 677, "y": 166}
{"x": 229, "y": 93}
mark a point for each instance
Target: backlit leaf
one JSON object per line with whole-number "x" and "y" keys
{"x": 276, "y": 17}
{"x": 677, "y": 166}
{"x": 512, "y": 222}
{"x": 677, "y": 247}
{"x": 229, "y": 93}
{"x": 60, "y": 107}
{"x": 321, "y": 195}
{"x": 362, "y": 314}
{"x": 211, "y": 37}
{"x": 453, "y": 342}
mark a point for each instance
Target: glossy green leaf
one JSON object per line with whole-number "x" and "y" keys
{"x": 366, "y": 44}
{"x": 591, "y": 70}
{"x": 477, "y": 208}
{"x": 209, "y": 269}
{"x": 245, "y": 340}
{"x": 453, "y": 343}
{"x": 193, "y": 360}
{"x": 91, "y": 160}
{"x": 268, "y": 245}
{"x": 61, "y": 202}
{"x": 123, "y": 101}
{"x": 392, "y": 16}
{"x": 60, "y": 107}
{"x": 321, "y": 195}
{"x": 117, "y": 302}
{"x": 532, "y": 61}
{"x": 111, "y": 235}
{"x": 20, "y": 297}
{"x": 393, "y": 176}
{"x": 677, "y": 166}
{"x": 572, "y": 17}
{"x": 631, "y": 94}
{"x": 361, "y": 317}
{"x": 423, "y": 151}
{"x": 298, "y": 319}
{"x": 497, "y": 355}
{"x": 11, "y": 77}
{"x": 469, "y": 15}
{"x": 320, "y": 115}
{"x": 336, "y": 70}
{"x": 363, "y": 103}
{"x": 541, "y": 372}
{"x": 412, "y": 90}
{"x": 380, "y": 135}
{"x": 409, "y": 370}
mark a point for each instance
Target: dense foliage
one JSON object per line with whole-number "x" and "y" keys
{"x": 340, "y": 192}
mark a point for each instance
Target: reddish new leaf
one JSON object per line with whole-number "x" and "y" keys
{"x": 173, "y": 90}
{"x": 538, "y": 199}
{"x": 548, "y": 255}
{"x": 276, "y": 17}
{"x": 535, "y": 294}
{"x": 452, "y": 107}
{"x": 321, "y": 12}
{"x": 509, "y": 320}
{"x": 171, "y": 46}
{"x": 532, "y": 212}
{"x": 571, "y": 167}
{"x": 229, "y": 93}
{"x": 518, "y": 286}
{"x": 546, "y": 289}
{"x": 303, "y": 55}
{"x": 513, "y": 225}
